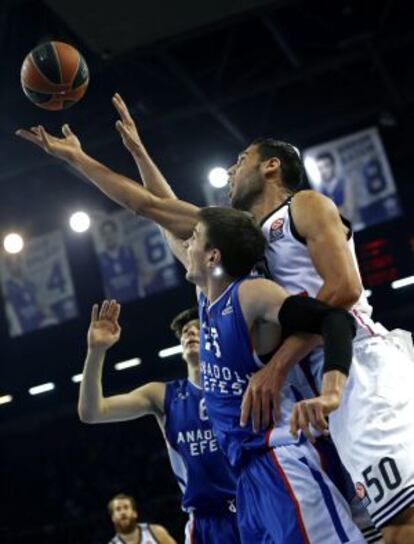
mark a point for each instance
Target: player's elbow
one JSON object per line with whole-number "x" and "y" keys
{"x": 343, "y": 293}
{"x": 86, "y": 415}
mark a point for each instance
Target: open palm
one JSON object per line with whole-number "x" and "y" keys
{"x": 63, "y": 148}
{"x": 104, "y": 330}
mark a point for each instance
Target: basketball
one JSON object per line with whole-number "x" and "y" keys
{"x": 54, "y": 76}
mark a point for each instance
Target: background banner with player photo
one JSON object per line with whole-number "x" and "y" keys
{"x": 216, "y": 196}
{"x": 37, "y": 285}
{"x": 354, "y": 172}
{"x": 134, "y": 258}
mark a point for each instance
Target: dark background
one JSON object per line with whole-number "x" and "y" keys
{"x": 202, "y": 79}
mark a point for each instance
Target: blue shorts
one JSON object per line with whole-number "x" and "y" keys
{"x": 217, "y": 528}
{"x": 284, "y": 496}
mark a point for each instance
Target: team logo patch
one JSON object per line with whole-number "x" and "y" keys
{"x": 362, "y": 494}
{"x": 276, "y": 230}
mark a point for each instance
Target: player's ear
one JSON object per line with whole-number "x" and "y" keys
{"x": 214, "y": 258}
{"x": 270, "y": 166}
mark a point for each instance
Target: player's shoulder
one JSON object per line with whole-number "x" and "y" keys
{"x": 252, "y": 289}
{"x": 312, "y": 198}
{"x": 158, "y": 530}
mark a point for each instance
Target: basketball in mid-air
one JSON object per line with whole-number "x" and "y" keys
{"x": 54, "y": 76}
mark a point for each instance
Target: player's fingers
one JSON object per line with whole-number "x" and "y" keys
{"x": 117, "y": 312}
{"x": 276, "y": 406}
{"x": 124, "y": 108}
{"x": 112, "y": 310}
{"x": 104, "y": 309}
{"x": 66, "y": 130}
{"x": 320, "y": 422}
{"x": 303, "y": 420}
{"x": 256, "y": 409}
{"x": 266, "y": 410}
{"x": 94, "y": 314}
{"x": 44, "y": 137}
{"x": 246, "y": 407}
{"x": 294, "y": 423}
{"x": 29, "y": 136}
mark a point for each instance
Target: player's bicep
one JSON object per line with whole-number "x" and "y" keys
{"x": 317, "y": 220}
{"x": 142, "y": 401}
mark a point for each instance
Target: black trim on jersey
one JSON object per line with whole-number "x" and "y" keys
{"x": 302, "y": 240}
{"x": 402, "y": 500}
{"x": 152, "y": 534}
{"x": 266, "y": 217}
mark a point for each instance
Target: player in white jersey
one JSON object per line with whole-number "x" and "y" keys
{"x": 310, "y": 250}
{"x": 260, "y": 182}
{"x": 124, "y": 515}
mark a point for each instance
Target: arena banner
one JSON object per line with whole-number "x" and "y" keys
{"x": 354, "y": 172}
{"x": 37, "y": 285}
{"x": 133, "y": 256}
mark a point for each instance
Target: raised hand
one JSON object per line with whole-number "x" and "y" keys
{"x": 63, "y": 148}
{"x": 104, "y": 330}
{"x": 126, "y": 127}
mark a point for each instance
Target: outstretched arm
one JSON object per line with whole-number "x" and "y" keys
{"x": 175, "y": 215}
{"x": 151, "y": 176}
{"x": 104, "y": 331}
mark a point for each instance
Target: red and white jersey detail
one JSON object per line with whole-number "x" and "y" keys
{"x": 289, "y": 263}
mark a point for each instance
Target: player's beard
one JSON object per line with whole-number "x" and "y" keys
{"x": 126, "y": 527}
{"x": 252, "y": 188}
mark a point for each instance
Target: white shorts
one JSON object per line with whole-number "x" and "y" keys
{"x": 373, "y": 429}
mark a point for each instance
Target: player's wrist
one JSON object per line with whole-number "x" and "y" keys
{"x": 96, "y": 350}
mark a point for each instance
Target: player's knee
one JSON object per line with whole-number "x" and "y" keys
{"x": 398, "y": 534}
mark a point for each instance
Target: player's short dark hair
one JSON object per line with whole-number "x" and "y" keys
{"x": 108, "y": 223}
{"x": 181, "y": 320}
{"x": 291, "y": 164}
{"x": 236, "y": 235}
{"x": 325, "y": 155}
{"x": 123, "y": 497}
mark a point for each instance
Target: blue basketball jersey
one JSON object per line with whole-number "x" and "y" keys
{"x": 21, "y": 295}
{"x": 120, "y": 274}
{"x": 227, "y": 361}
{"x": 207, "y": 481}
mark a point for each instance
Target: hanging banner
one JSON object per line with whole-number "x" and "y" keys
{"x": 134, "y": 258}
{"x": 37, "y": 285}
{"x": 354, "y": 172}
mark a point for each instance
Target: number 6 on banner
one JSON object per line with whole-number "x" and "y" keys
{"x": 155, "y": 247}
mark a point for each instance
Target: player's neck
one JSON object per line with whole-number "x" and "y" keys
{"x": 131, "y": 538}
{"x": 216, "y": 286}
{"x": 194, "y": 374}
{"x": 273, "y": 195}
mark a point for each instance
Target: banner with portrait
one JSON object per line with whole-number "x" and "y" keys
{"x": 354, "y": 172}
{"x": 134, "y": 258}
{"x": 37, "y": 285}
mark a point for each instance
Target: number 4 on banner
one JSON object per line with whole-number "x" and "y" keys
{"x": 56, "y": 279}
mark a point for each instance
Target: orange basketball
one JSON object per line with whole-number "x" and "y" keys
{"x": 54, "y": 76}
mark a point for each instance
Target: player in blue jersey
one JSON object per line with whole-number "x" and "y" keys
{"x": 203, "y": 474}
{"x": 124, "y": 515}
{"x": 118, "y": 264}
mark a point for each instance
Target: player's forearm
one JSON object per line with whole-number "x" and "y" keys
{"x": 151, "y": 176}
{"x": 333, "y": 383}
{"x": 91, "y": 399}
{"x": 117, "y": 187}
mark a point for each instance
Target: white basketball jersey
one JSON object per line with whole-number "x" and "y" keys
{"x": 289, "y": 264}
{"x": 147, "y": 536}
